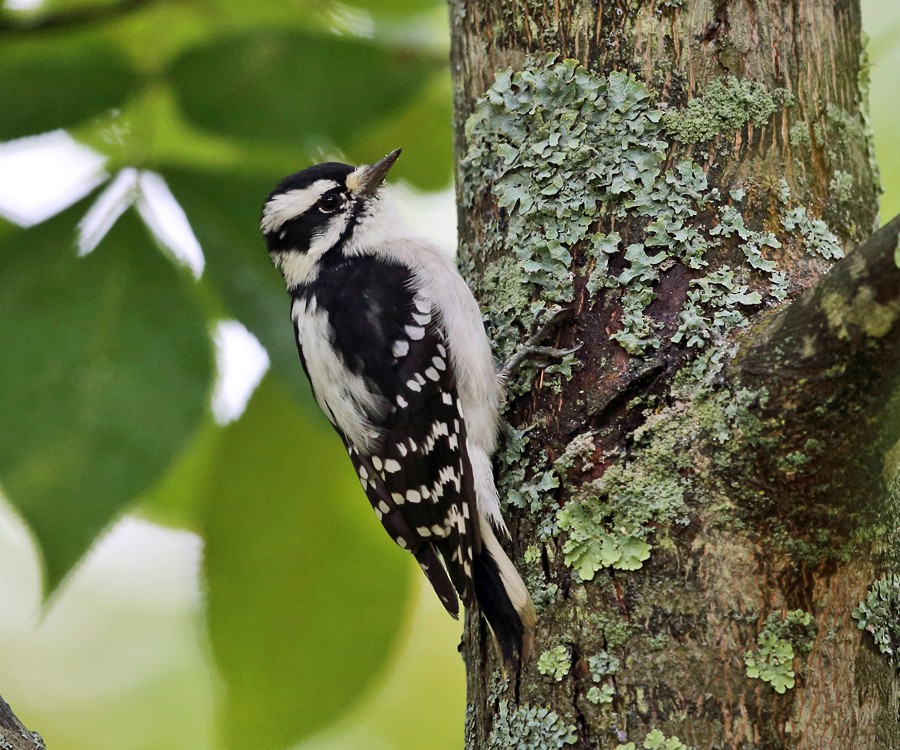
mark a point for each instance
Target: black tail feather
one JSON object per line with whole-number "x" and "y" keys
{"x": 498, "y": 609}
{"x": 437, "y": 576}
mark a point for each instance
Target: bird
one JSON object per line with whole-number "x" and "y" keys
{"x": 394, "y": 347}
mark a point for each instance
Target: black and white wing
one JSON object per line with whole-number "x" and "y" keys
{"x": 416, "y": 473}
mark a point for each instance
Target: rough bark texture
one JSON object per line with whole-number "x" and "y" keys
{"x": 14, "y": 736}
{"x": 703, "y": 495}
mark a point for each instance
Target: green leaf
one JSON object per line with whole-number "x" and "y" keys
{"x": 104, "y": 377}
{"x": 50, "y": 86}
{"x": 307, "y": 594}
{"x": 424, "y": 130}
{"x": 175, "y": 500}
{"x": 292, "y": 88}
{"x": 396, "y": 7}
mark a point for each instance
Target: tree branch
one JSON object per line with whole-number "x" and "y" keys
{"x": 13, "y": 735}
{"x": 845, "y": 329}
{"x": 824, "y": 370}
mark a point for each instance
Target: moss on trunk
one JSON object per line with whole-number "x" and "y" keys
{"x": 696, "y": 535}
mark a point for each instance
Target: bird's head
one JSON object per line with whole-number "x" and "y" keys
{"x": 324, "y": 209}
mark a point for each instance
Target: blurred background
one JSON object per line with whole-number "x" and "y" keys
{"x": 247, "y": 597}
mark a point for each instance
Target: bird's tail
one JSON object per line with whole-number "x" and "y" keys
{"x": 503, "y": 599}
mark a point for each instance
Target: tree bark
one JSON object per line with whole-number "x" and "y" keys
{"x": 13, "y": 735}
{"x": 703, "y": 496}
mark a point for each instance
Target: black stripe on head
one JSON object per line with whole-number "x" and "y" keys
{"x": 296, "y": 233}
{"x": 331, "y": 170}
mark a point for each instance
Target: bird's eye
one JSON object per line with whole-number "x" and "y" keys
{"x": 329, "y": 202}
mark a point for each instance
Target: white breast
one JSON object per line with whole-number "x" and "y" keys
{"x": 341, "y": 394}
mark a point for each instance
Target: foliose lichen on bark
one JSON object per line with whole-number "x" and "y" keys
{"x": 656, "y": 740}
{"x": 783, "y": 637}
{"x": 615, "y": 520}
{"x": 727, "y": 104}
{"x": 525, "y": 727}
{"x": 555, "y": 662}
{"x": 561, "y": 149}
{"x": 879, "y": 615}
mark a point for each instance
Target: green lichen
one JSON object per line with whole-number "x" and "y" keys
{"x": 725, "y": 106}
{"x": 602, "y": 666}
{"x": 509, "y": 301}
{"x": 772, "y": 663}
{"x": 528, "y": 728}
{"x": 861, "y": 311}
{"x": 521, "y": 484}
{"x": 562, "y": 148}
{"x": 793, "y": 461}
{"x": 600, "y": 694}
{"x": 731, "y": 224}
{"x": 601, "y": 249}
{"x": 782, "y": 638}
{"x": 784, "y": 191}
{"x": 656, "y": 740}
{"x": 879, "y": 615}
{"x": 561, "y": 151}
{"x": 578, "y": 453}
{"x": 615, "y": 630}
{"x": 668, "y": 200}
{"x": 712, "y": 307}
{"x": 555, "y": 663}
{"x": 799, "y": 136}
{"x": 595, "y": 542}
{"x": 529, "y": 139}
{"x": 841, "y": 186}
{"x": 845, "y": 138}
{"x": 554, "y": 141}
{"x": 817, "y": 238}
{"x": 543, "y": 594}
{"x": 848, "y": 126}
{"x": 611, "y": 519}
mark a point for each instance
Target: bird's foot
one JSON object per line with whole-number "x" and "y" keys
{"x": 532, "y": 349}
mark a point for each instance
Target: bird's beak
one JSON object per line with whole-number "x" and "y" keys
{"x": 368, "y": 179}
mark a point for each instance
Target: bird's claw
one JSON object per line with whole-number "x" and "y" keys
{"x": 532, "y": 347}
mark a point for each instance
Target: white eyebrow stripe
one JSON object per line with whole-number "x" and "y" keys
{"x": 286, "y": 206}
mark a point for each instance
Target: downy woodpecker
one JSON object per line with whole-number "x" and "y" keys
{"x": 394, "y": 347}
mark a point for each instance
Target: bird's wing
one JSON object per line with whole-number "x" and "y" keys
{"x": 417, "y": 474}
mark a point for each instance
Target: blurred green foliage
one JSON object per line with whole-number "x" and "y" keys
{"x": 107, "y": 369}
{"x": 108, "y": 366}
{"x": 105, "y": 380}
{"x": 68, "y": 83}
{"x": 881, "y": 20}
{"x": 273, "y": 513}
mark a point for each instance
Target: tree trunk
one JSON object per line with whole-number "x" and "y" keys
{"x": 703, "y": 496}
{"x": 13, "y": 735}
